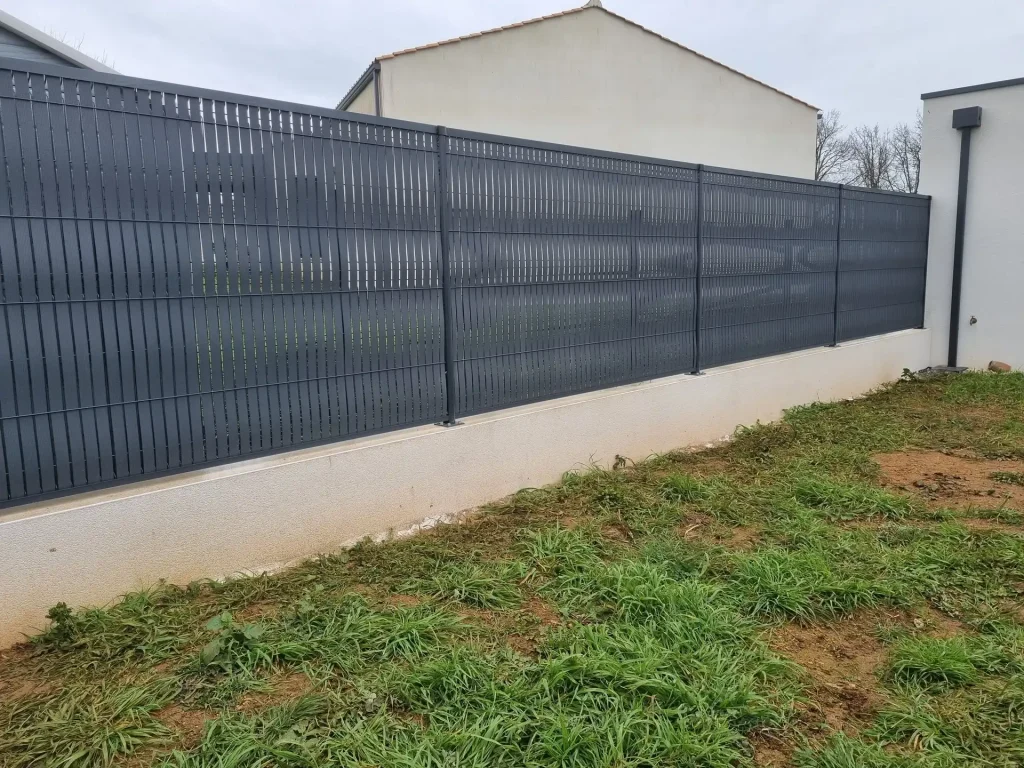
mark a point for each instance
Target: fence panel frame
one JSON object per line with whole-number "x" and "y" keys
{"x": 166, "y": 404}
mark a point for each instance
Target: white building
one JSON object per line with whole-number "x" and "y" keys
{"x": 589, "y": 77}
{"x": 991, "y": 317}
{"x": 19, "y": 40}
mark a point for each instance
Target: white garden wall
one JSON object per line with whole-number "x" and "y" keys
{"x": 257, "y": 514}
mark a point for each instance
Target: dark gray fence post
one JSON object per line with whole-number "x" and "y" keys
{"x": 444, "y": 216}
{"x": 635, "y": 217}
{"x": 927, "y": 242}
{"x": 839, "y": 245}
{"x": 698, "y": 271}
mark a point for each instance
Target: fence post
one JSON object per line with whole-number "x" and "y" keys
{"x": 444, "y": 214}
{"x": 835, "y": 299}
{"x": 698, "y": 271}
{"x": 927, "y": 257}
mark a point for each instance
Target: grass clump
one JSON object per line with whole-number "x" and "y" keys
{"x": 1008, "y": 478}
{"x": 84, "y": 726}
{"x": 942, "y": 662}
{"x": 982, "y": 388}
{"x": 482, "y": 585}
{"x": 803, "y": 585}
{"x": 850, "y": 501}
{"x": 685, "y": 489}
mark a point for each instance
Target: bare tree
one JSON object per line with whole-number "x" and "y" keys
{"x": 832, "y": 149}
{"x": 871, "y": 157}
{"x": 906, "y": 156}
{"x": 77, "y": 45}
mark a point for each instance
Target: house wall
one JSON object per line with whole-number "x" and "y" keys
{"x": 590, "y": 79}
{"x": 993, "y": 276}
{"x": 364, "y": 102}
{"x": 255, "y": 515}
{"x": 14, "y": 46}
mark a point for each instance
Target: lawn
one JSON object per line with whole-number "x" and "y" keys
{"x": 842, "y": 589}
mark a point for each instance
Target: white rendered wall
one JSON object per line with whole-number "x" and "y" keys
{"x": 593, "y": 80}
{"x": 364, "y": 102}
{"x": 91, "y": 548}
{"x": 993, "y": 279}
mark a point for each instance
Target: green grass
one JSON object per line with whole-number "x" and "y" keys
{"x": 1009, "y": 478}
{"x": 616, "y": 619}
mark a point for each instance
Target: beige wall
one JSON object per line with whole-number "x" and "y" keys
{"x": 993, "y": 276}
{"x": 364, "y": 103}
{"x": 593, "y": 80}
{"x": 88, "y": 549}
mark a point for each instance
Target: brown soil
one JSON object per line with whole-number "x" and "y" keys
{"x": 709, "y": 531}
{"x": 283, "y": 687}
{"x": 253, "y": 612}
{"x": 404, "y": 601}
{"x": 18, "y": 676}
{"x": 548, "y": 616}
{"x": 770, "y": 750}
{"x": 841, "y": 659}
{"x": 187, "y": 723}
{"x": 23, "y": 688}
{"x": 617, "y": 532}
{"x": 524, "y": 644}
{"x": 949, "y": 481}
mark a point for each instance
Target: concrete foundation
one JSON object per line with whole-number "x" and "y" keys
{"x": 258, "y": 514}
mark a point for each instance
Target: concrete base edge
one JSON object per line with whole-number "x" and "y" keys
{"x": 258, "y": 514}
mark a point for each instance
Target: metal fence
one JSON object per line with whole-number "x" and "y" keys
{"x": 189, "y": 277}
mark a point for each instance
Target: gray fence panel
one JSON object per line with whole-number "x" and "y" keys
{"x": 187, "y": 280}
{"x": 189, "y": 277}
{"x": 768, "y": 266}
{"x": 569, "y": 271}
{"x": 883, "y": 257}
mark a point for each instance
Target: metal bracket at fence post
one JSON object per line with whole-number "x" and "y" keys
{"x": 835, "y": 299}
{"x": 699, "y": 271}
{"x": 444, "y": 214}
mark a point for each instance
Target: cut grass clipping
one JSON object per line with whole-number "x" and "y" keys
{"x": 618, "y": 618}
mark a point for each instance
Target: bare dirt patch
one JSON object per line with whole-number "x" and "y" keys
{"x": 617, "y": 532}
{"x": 186, "y": 723}
{"x": 951, "y": 481}
{"x": 709, "y": 531}
{"x": 283, "y": 687}
{"x": 254, "y": 612}
{"x": 841, "y": 659}
{"x": 770, "y": 750}
{"x": 19, "y": 677}
{"x": 548, "y": 616}
{"x": 404, "y": 601}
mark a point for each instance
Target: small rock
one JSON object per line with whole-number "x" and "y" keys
{"x": 998, "y": 366}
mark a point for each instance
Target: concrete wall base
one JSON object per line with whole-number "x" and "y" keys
{"x": 257, "y": 514}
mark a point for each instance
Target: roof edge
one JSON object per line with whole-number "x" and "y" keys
{"x": 972, "y": 88}
{"x": 364, "y": 79}
{"x": 598, "y": 7}
{"x": 52, "y": 45}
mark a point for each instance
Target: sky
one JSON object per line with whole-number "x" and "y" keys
{"x": 871, "y": 59}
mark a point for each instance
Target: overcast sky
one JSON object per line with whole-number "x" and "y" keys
{"x": 869, "y": 58}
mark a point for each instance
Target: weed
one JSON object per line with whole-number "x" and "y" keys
{"x": 1010, "y": 478}
{"x": 235, "y": 646}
